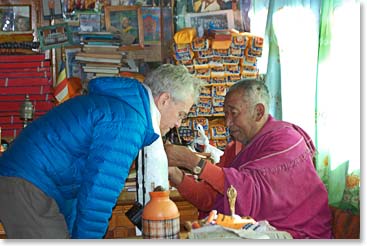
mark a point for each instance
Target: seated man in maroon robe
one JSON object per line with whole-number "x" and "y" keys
{"x": 273, "y": 172}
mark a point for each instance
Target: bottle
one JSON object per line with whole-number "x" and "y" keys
{"x": 160, "y": 218}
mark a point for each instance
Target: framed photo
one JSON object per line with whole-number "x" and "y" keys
{"x": 90, "y": 22}
{"x": 55, "y": 36}
{"x": 222, "y": 19}
{"x": 16, "y": 18}
{"x": 126, "y": 21}
{"x": 73, "y": 67}
{"x": 151, "y": 23}
{"x": 51, "y": 9}
{"x": 200, "y": 6}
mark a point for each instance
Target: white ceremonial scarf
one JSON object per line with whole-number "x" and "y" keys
{"x": 154, "y": 171}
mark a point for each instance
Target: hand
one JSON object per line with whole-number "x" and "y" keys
{"x": 181, "y": 156}
{"x": 175, "y": 175}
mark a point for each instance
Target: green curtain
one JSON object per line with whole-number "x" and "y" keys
{"x": 338, "y": 102}
{"x": 314, "y": 82}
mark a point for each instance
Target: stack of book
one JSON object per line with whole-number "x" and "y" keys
{"x": 22, "y": 75}
{"x": 100, "y": 55}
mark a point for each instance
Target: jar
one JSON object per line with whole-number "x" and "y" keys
{"x": 160, "y": 218}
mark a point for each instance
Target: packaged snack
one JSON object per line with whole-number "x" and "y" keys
{"x": 249, "y": 60}
{"x": 232, "y": 70}
{"x": 219, "y": 91}
{"x": 201, "y": 63}
{"x": 202, "y": 121}
{"x": 186, "y": 123}
{"x": 187, "y": 62}
{"x": 185, "y": 35}
{"x": 237, "y": 52}
{"x": 220, "y": 52}
{"x": 221, "y": 44}
{"x": 208, "y": 53}
{"x": 204, "y": 110}
{"x": 231, "y": 60}
{"x": 200, "y": 44}
{"x": 184, "y": 55}
{"x": 206, "y": 92}
{"x": 234, "y": 78}
{"x": 193, "y": 111}
{"x": 216, "y": 61}
{"x": 218, "y": 79}
{"x": 257, "y": 42}
{"x": 239, "y": 40}
{"x": 218, "y": 110}
{"x": 202, "y": 72}
{"x": 181, "y": 48}
{"x": 217, "y": 70}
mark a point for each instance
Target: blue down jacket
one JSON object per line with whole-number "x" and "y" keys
{"x": 81, "y": 151}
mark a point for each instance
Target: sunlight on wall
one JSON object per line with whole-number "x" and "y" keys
{"x": 258, "y": 27}
{"x": 296, "y": 30}
{"x": 344, "y": 85}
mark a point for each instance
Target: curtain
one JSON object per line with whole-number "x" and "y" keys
{"x": 312, "y": 66}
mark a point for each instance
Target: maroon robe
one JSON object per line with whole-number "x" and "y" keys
{"x": 276, "y": 181}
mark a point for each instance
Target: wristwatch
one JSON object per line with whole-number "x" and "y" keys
{"x": 198, "y": 168}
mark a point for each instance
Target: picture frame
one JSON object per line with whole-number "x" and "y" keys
{"x": 35, "y": 9}
{"x": 222, "y": 19}
{"x": 90, "y": 22}
{"x": 55, "y": 36}
{"x": 199, "y": 6}
{"x": 16, "y": 18}
{"x": 127, "y": 21}
{"x": 152, "y": 25}
{"x": 51, "y": 9}
{"x": 73, "y": 67}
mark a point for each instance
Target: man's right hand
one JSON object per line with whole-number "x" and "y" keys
{"x": 181, "y": 156}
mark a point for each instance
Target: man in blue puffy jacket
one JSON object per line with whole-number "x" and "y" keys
{"x": 61, "y": 177}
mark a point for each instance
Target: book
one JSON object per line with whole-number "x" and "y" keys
{"x": 99, "y": 57}
{"x": 99, "y": 64}
{"x": 36, "y": 64}
{"x": 99, "y": 42}
{"x": 21, "y": 58}
{"x": 100, "y": 48}
{"x": 16, "y": 37}
{"x": 14, "y": 106}
{"x": 95, "y": 59}
{"x": 96, "y": 75}
{"x": 24, "y": 69}
{"x": 101, "y": 70}
{"x": 22, "y": 90}
{"x": 20, "y": 97}
{"x": 9, "y": 82}
{"x": 25, "y": 75}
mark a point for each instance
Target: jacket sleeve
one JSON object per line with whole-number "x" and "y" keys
{"x": 112, "y": 151}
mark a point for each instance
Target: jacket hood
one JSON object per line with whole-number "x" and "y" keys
{"x": 130, "y": 91}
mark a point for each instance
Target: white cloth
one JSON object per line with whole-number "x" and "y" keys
{"x": 155, "y": 172}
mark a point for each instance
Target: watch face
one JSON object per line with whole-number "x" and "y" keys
{"x": 197, "y": 170}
